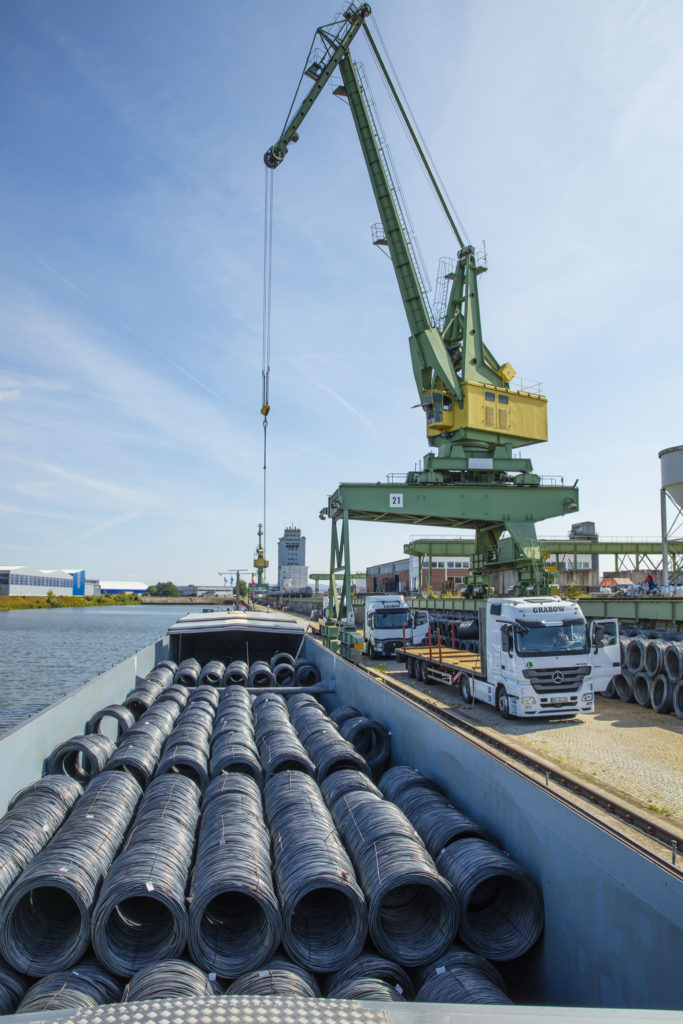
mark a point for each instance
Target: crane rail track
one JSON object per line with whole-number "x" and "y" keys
{"x": 516, "y": 760}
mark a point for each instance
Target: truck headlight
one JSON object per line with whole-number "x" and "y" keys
{"x": 528, "y": 701}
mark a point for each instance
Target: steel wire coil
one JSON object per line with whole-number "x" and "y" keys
{"x": 34, "y": 816}
{"x": 236, "y": 674}
{"x": 279, "y": 747}
{"x": 412, "y": 913}
{"x": 396, "y": 780}
{"x": 662, "y": 694}
{"x": 13, "y": 986}
{"x": 305, "y": 673}
{"x": 276, "y": 982}
{"x": 610, "y": 690}
{"x": 641, "y": 689}
{"x": 176, "y": 692}
{"x": 235, "y": 752}
{"x": 501, "y": 905}
{"x": 234, "y": 701}
{"x": 81, "y": 757}
{"x": 282, "y": 658}
{"x": 366, "y": 988}
{"x": 86, "y": 984}
{"x": 139, "y": 753}
{"x": 673, "y": 661}
{"x": 455, "y": 957}
{"x": 324, "y": 912}
{"x": 282, "y": 962}
{"x": 329, "y": 751}
{"x": 187, "y": 672}
{"x": 212, "y": 673}
{"x": 233, "y": 783}
{"x": 371, "y": 965}
{"x": 171, "y": 665}
{"x": 140, "y": 916}
{"x": 205, "y": 695}
{"x": 283, "y": 674}
{"x": 461, "y": 985}
{"x": 188, "y": 759}
{"x": 61, "y": 787}
{"x": 234, "y": 920}
{"x": 139, "y": 700}
{"x": 655, "y": 652}
{"x": 169, "y": 979}
{"x": 342, "y": 714}
{"x": 635, "y": 654}
{"x": 437, "y": 821}
{"x": 45, "y": 917}
{"x": 261, "y": 674}
{"x": 346, "y": 780}
{"x": 121, "y": 715}
{"x": 623, "y": 685}
{"x": 370, "y": 739}
{"x": 678, "y": 699}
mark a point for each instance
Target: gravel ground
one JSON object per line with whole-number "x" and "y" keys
{"x": 629, "y": 750}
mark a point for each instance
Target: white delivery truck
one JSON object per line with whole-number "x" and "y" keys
{"x": 537, "y": 657}
{"x": 387, "y": 620}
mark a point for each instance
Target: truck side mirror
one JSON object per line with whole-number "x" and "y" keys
{"x": 505, "y": 640}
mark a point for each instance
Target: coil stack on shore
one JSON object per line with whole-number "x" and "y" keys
{"x": 201, "y": 838}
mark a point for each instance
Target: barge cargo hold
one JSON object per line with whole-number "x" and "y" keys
{"x": 613, "y": 915}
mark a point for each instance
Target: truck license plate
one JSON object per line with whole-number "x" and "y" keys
{"x": 557, "y": 700}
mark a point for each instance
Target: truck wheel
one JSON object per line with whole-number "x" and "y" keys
{"x": 422, "y": 669}
{"x": 466, "y": 690}
{"x": 371, "y": 652}
{"x": 411, "y": 667}
{"x": 503, "y": 702}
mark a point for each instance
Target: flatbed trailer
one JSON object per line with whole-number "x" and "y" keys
{"x": 439, "y": 664}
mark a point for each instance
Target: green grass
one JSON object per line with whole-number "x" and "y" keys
{"x": 66, "y": 601}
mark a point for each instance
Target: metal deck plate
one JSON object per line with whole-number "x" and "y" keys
{"x": 232, "y": 1010}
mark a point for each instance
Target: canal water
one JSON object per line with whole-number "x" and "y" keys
{"x": 46, "y": 653}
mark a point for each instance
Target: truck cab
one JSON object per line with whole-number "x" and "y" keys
{"x": 388, "y": 621}
{"x": 539, "y": 656}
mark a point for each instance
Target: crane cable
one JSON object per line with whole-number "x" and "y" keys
{"x": 265, "y": 367}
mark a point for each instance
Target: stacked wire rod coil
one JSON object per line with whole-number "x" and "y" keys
{"x": 651, "y": 672}
{"x": 45, "y": 917}
{"x": 140, "y": 916}
{"x": 323, "y": 907}
{"x": 295, "y": 845}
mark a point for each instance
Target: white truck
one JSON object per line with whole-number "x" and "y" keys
{"x": 537, "y": 657}
{"x": 388, "y": 621}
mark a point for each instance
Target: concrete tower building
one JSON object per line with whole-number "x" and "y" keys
{"x": 292, "y": 571}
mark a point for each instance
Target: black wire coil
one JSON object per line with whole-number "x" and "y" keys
{"x": 176, "y": 692}
{"x": 205, "y": 695}
{"x": 233, "y": 747}
{"x": 279, "y": 747}
{"x": 370, "y": 965}
{"x": 429, "y": 809}
{"x": 212, "y": 673}
{"x": 236, "y": 674}
{"x": 45, "y": 916}
{"x": 187, "y": 672}
{"x": 140, "y": 916}
{"x": 282, "y": 658}
{"x": 305, "y": 673}
{"x": 234, "y": 921}
{"x": 346, "y": 780}
{"x": 461, "y": 985}
{"x": 140, "y": 748}
{"x": 33, "y": 817}
{"x": 13, "y": 986}
{"x": 122, "y": 716}
{"x": 455, "y": 957}
{"x": 370, "y": 739}
{"x": 261, "y": 674}
{"x": 366, "y": 988}
{"x": 169, "y": 979}
{"x": 501, "y": 905}
{"x": 283, "y": 673}
{"x": 323, "y": 908}
{"x": 86, "y": 984}
{"x": 413, "y": 916}
{"x": 186, "y": 751}
{"x": 329, "y": 751}
{"x": 81, "y": 757}
{"x": 342, "y": 714}
{"x": 278, "y": 981}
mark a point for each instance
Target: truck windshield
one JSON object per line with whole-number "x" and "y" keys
{"x": 561, "y": 639}
{"x": 392, "y": 618}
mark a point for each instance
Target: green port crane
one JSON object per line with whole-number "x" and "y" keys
{"x": 474, "y": 418}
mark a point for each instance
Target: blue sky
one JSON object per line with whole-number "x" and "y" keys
{"x": 131, "y": 256}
